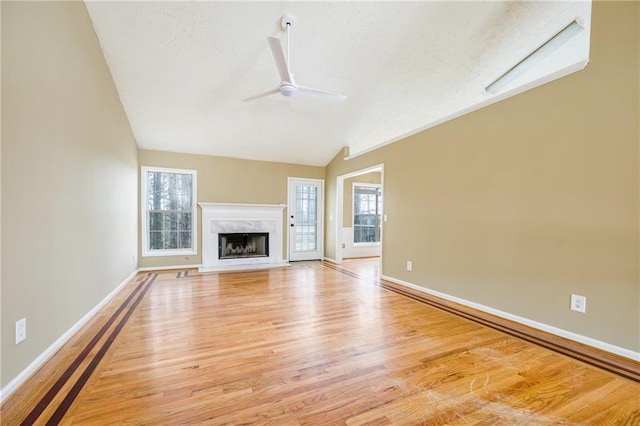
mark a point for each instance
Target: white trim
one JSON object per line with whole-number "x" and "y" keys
{"x": 328, "y": 259}
{"x": 578, "y": 66}
{"x": 60, "y": 341}
{"x": 535, "y": 57}
{"x": 339, "y": 222}
{"x": 166, "y": 268}
{"x": 193, "y": 250}
{"x": 235, "y": 206}
{"x": 627, "y": 353}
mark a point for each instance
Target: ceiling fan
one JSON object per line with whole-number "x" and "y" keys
{"x": 288, "y": 86}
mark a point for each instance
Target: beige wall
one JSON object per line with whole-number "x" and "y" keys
{"x": 527, "y": 201}
{"x": 69, "y": 173}
{"x": 226, "y": 180}
{"x": 347, "y": 212}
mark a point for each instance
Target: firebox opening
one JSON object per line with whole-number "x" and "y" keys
{"x": 233, "y": 246}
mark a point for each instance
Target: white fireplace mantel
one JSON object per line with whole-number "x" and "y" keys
{"x": 231, "y": 217}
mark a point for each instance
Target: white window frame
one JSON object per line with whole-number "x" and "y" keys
{"x": 353, "y": 214}
{"x": 146, "y": 252}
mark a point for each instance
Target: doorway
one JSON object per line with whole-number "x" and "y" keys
{"x": 359, "y": 212}
{"x": 305, "y": 219}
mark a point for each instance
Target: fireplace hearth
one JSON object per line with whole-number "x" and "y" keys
{"x": 243, "y": 245}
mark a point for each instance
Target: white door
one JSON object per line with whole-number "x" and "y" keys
{"x": 304, "y": 214}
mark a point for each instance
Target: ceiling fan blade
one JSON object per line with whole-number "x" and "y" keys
{"x": 322, "y": 93}
{"x": 262, "y": 95}
{"x": 281, "y": 62}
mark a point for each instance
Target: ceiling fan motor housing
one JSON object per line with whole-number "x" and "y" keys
{"x": 287, "y": 89}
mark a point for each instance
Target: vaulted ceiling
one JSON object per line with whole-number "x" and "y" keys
{"x": 182, "y": 69}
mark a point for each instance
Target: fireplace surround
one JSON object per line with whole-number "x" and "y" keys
{"x": 240, "y": 219}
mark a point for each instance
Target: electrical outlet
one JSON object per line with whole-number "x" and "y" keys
{"x": 409, "y": 265}
{"x": 344, "y": 245}
{"x": 578, "y": 303}
{"x": 21, "y": 330}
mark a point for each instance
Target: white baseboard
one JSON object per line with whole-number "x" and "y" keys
{"x": 166, "y": 268}
{"x": 55, "y": 346}
{"x": 627, "y": 353}
{"x": 328, "y": 259}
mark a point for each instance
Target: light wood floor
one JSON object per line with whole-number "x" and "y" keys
{"x": 306, "y": 345}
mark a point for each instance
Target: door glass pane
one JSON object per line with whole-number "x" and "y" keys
{"x": 306, "y": 218}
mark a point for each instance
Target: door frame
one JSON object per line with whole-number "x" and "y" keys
{"x": 321, "y": 206}
{"x": 340, "y": 207}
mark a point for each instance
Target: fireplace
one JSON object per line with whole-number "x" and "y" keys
{"x": 253, "y": 236}
{"x": 239, "y": 245}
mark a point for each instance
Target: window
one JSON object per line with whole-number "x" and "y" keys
{"x": 367, "y": 209}
{"x": 168, "y": 211}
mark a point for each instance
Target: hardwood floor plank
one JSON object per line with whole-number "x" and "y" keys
{"x": 310, "y": 345}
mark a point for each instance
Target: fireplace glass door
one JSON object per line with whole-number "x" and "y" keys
{"x": 243, "y": 245}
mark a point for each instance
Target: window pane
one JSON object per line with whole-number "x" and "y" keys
{"x": 155, "y": 221}
{"x": 184, "y": 222}
{"x": 184, "y": 239}
{"x": 172, "y": 221}
{"x": 170, "y": 240}
{"x": 155, "y": 240}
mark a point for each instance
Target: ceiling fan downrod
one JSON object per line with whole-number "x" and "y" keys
{"x": 287, "y": 23}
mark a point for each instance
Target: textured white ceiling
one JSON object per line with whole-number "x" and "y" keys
{"x": 182, "y": 68}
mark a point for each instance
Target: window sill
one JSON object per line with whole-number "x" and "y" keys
{"x": 366, "y": 244}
